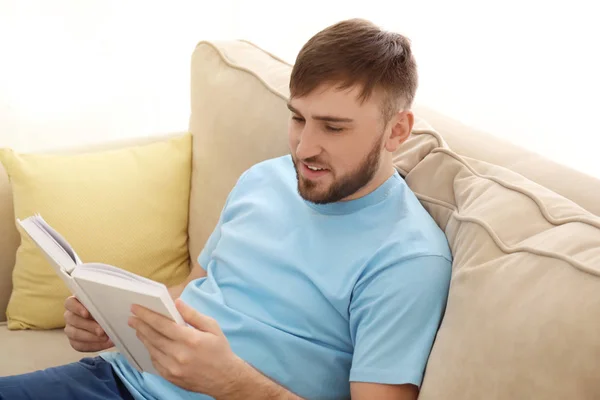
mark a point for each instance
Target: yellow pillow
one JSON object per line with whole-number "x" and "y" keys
{"x": 126, "y": 207}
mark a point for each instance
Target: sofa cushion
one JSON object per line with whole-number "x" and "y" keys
{"x": 522, "y": 313}
{"x": 28, "y": 350}
{"x": 127, "y": 207}
{"x": 239, "y": 118}
{"x": 470, "y": 142}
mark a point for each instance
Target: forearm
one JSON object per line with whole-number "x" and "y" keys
{"x": 250, "y": 384}
{"x": 176, "y": 290}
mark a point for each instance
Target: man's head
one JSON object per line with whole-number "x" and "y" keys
{"x": 351, "y": 90}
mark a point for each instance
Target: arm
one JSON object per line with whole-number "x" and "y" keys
{"x": 367, "y": 391}
{"x": 395, "y": 313}
{"x": 196, "y": 272}
{"x": 250, "y": 384}
{"x": 198, "y": 357}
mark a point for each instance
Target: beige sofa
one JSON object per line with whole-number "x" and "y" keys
{"x": 522, "y": 317}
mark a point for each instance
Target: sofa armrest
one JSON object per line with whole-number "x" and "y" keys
{"x": 9, "y": 241}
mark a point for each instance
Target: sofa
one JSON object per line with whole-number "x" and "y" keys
{"x": 522, "y": 315}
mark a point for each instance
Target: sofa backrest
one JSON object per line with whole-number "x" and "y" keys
{"x": 239, "y": 117}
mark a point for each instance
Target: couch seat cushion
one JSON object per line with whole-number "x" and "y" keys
{"x": 28, "y": 350}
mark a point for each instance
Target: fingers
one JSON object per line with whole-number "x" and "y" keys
{"x": 80, "y": 335}
{"x": 75, "y": 306}
{"x": 83, "y": 332}
{"x": 197, "y": 320}
{"x": 87, "y": 325}
{"x": 149, "y": 336}
{"x": 91, "y": 347}
{"x": 158, "y": 322}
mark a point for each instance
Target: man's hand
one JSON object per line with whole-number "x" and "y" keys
{"x": 83, "y": 331}
{"x": 198, "y": 358}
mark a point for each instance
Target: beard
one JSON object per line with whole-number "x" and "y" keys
{"x": 343, "y": 186}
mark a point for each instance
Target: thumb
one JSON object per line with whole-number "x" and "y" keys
{"x": 197, "y": 320}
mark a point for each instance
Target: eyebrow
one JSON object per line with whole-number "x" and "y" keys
{"x": 326, "y": 118}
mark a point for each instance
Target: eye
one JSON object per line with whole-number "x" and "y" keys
{"x": 298, "y": 119}
{"x": 333, "y": 128}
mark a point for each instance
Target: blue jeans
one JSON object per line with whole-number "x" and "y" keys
{"x": 87, "y": 379}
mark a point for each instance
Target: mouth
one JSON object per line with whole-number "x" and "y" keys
{"x": 312, "y": 171}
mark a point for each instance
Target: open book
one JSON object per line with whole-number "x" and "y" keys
{"x": 106, "y": 291}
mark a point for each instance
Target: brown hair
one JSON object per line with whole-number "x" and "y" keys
{"x": 356, "y": 51}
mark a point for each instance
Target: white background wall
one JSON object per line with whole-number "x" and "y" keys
{"x": 74, "y": 71}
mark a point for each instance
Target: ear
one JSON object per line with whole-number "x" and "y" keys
{"x": 402, "y": 124}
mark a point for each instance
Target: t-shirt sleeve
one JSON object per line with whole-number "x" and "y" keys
{"x": 395, "y": 313}
{"x": 211, "y": 243}
{"x": 213, "y": 239}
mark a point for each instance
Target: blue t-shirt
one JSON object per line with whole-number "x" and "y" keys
{"x": 315, "y": 296}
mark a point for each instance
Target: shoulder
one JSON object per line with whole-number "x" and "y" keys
{"x": 268, "y": 171}
{"x": 414, "y": 232}
{"x": 414, "y": 247}
{"x": 263, "y": 183}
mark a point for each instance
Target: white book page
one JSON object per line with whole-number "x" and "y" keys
{"x": 37, "y": 219}
{"x": 121, "y": 273}
{"x": 113, "y": 297}
{"x": 58, "y": 257}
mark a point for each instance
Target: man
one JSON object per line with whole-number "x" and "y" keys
{"x": 324, "y": 278}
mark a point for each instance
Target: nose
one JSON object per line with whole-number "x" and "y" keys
{"x": 308, "y": 144}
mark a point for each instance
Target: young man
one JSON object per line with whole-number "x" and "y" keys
{"x": 324, "y": 278}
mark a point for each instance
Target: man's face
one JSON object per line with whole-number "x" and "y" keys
{"x": 336, "y": 142}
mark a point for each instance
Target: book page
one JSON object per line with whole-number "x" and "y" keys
{"x": 119, "y": 272}
{"x": 56, "y": 254}
{"x": 37, "y": 219}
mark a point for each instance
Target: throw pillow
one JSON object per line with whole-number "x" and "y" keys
{"x": 522, "y": 314}
{"x": 127, "y": 207}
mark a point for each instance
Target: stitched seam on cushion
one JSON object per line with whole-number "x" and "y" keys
{"x": 244, "y": 69}
{"x": 551, "y": 219}
{"x": 512, "y": 249}
{"x": 273, "y": 56}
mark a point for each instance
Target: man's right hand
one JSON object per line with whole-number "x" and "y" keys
{"x": 84, "y": 333}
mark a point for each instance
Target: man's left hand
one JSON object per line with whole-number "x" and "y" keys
{"x": 197, "y": 357}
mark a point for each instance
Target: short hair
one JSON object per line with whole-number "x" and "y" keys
{"x": 357, "y": 51}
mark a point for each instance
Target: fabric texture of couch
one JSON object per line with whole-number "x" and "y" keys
{"x": 524, "y": 231}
